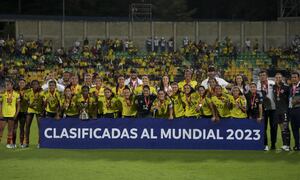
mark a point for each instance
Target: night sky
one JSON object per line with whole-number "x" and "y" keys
{"x": 193, "y": 9}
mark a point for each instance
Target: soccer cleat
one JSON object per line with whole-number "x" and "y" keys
{"x": 285, "y": 148}
{"x": 15, "y": 146}
{"x": 266, "y": 148}
{"x": 10, "y": 146}
{"x": 38, "y": 146}
{"x": 25, "y": 146}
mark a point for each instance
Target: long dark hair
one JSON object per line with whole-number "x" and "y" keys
{"x": 205, "y": 90}
{"x": 161, "y": 86}
{"x": 118, "y": 85}
{"x": 36, "y": 81}
{"x": 243, "y": 82}
{"x": 192, "y": 89}
{"x": 131, "y": 94}
{"x": 112, "y": 93}
{"x": 17, "y": 87}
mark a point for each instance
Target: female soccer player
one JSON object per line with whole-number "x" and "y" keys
{"x": 128, "y": 106}
{"x": 98, "y": 90}
{"x": 162, "y": 106}
{"x": 52, "y": 101}
{"x": 120, "y": 86}
{"x": 239, "y": 81}
{"x": 176, "y": 98}
{"x": 111, "y": 104}
{"x": 212, "y": 83}
{"x": 190, "y": 100}
{"x": 75, "y": 87}
{"x": 68, "y": 104}
{"x": 222, "y": 103}
{"x": 165, "y": 84}
{"x": 87, "y": 104}
{"x": 239, "y": 104}
{"x": 205, "y": 106}
{"x": 34, "y": 98}
{"x": 146, "y": 82}
{"x": 9, "y": 109}
{"x": 144, "y": 103}
{"x": 254, "y": 103}
{"x": 21, "y": 119}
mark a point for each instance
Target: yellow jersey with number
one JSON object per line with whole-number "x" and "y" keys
{"x": 52, "y": 101}
{"x": 9, "y": 103}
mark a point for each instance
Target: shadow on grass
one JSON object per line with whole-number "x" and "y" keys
{"x": 155, "y": 156}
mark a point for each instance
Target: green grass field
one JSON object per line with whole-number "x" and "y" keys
{"x": 44, "y": 164}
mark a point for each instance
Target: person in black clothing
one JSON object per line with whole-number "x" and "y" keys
{"x": 281, "y": 99}
{"x": 144, "y": 103}
{"x": 254, "y": 103}
{"x": 295, "y": 107}
{"x": 265, "y": 87}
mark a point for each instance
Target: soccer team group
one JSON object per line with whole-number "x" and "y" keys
{"x": 276, "y": 103}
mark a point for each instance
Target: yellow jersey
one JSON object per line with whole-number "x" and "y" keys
{"x": 205, "y": 106}
{"x": 110, "y": 106}
{"x": 118, "y": 92}
{"x": 139, "y": 90}
{"x": 128, "y": 107}
{"x": 76, "y": 89}
{"x": 192, "y": 83}
{"x": 52, "y": 101}
{"x": 9, "y": 103}
{"x": 191, "y": 104}
{"x": 236, "y": 111}
{"x": 35, "y": 101}
{"x": 69, "y": 107}
{"x": 163, "y": 110}
{"x": 178, "y": 105}
{"x": 89, "y": 104}
{"x": 97, "y": 92}
{"x": 221, "y": 104}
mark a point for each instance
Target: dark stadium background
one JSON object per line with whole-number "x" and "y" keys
{"x": 163, "y": 9}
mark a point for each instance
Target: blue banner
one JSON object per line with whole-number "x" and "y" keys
{"x": 187, "y": 133}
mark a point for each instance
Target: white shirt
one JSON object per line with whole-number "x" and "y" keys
{"x": 270, "y": 94}
{"x": 59, "y": 87}
{"x": 136, "y": 83}
{"x": 248, "y": 43}
{"x": 156, "y": 42}
{"x": 220, "y": 81}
